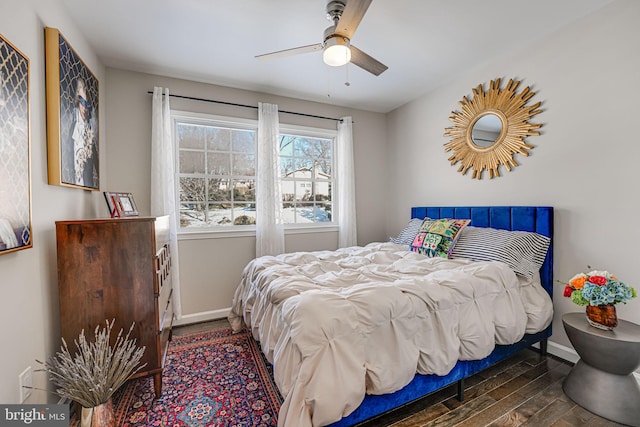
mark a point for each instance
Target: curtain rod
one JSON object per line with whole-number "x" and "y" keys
{"x": 233, "y": 104}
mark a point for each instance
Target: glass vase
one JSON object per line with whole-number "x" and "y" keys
{"x": 602, "y": 316}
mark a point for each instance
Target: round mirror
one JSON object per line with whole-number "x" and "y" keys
{"x": 491, "y": 128}
{"x": 486, "y": 130}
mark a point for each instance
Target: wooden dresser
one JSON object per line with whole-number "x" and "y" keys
{"x": 117, "y": 269}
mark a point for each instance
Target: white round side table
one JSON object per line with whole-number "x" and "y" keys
{"x": 602, "y": 381}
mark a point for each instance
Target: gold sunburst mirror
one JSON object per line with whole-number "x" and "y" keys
{"x": 491, "y": 128}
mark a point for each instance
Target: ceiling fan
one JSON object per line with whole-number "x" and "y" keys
{"x": 336, "y": 45}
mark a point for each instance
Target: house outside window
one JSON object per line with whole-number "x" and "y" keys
{"x": 216, "y": 173}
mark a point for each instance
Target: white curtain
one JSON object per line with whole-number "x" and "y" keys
{"x": 345, "y": 182}
{"x": 163, "y": 199}
{"x": 269, "y": 225}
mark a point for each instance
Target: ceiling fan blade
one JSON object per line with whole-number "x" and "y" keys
{"x": 290, "y": 52}
{"x": 366, "y": 62}
{"x": 352, "y": 14}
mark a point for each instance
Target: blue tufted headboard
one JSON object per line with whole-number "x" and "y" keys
{"x": 538, "y": 219}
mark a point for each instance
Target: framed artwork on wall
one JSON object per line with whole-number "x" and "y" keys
{"x": 15, "y": 173}
{"x": 120, "y": 204}
{"x": 72, "y": 116}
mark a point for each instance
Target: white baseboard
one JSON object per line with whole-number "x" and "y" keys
{"x": 187, "y": 319}
{"x": 565, "y": 353}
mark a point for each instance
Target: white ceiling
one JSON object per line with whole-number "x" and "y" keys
{"x": 425, "y": 43}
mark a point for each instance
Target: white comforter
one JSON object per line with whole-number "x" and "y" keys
{"x": 337, "y": 325}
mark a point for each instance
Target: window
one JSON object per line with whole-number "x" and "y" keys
{"x": 306, "y": 165}
{"x": 216, "y": 173}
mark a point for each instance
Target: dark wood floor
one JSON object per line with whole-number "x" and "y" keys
{"x": 525, "y": 390}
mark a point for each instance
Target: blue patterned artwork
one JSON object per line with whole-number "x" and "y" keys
{"x": 72, "y": 116}
{"x": 15, "y": 186}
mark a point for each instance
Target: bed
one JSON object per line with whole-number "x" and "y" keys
{"x": 357, "y": 332}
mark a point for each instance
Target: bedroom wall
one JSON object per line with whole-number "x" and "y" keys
{"x": 584, "y": 163}
{"x": 211, "y": 265}
{"x": 28, "y": 278}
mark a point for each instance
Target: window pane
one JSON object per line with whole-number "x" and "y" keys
{"x": 302, "y": 190}
{"x": 324, "y": 169}
{"x": 190, "y": 136}
{"x": 191, "y": 162}
{"x": 220, "y": 214}
{"x": 304, "y": 212}
{"x": 322, "y": 148}
{"x": 289, "y": 212}
{"x": 288, "y": 190}
{"x": 303, "y": 163}
{"x": 244, "y": 141}
{"x": 219, "y": 189}
{"x": 323, "y": 212}
{"x": 192, "y": 189}
{"x": 287, "y": 166}
{"x": 309, "y": 212}
{"x": 218, "y": 163}
{"x": 192, "y": 215}
{"x": 322, "y": 190}
{"x": 218, "y": 139}
{"x": 287, "y": 200}
{"x": 244, "y": 190}
{"x": 245, "y": 214}
{"x": 244, "y": 164}
{"x": 286, "y": 145}
{"x": 302, "y": 148}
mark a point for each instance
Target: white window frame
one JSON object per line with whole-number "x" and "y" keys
{"x": 323, "y": 134}
{"x": 251, "y": 124}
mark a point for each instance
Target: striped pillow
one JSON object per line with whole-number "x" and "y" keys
{"x": 409, "y": 232}
{"x": 523, "y": 251}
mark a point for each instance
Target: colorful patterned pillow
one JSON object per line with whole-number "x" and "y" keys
{"x": 437, "y": 237}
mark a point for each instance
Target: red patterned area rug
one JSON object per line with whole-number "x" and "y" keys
{"x": 212, "y": 378}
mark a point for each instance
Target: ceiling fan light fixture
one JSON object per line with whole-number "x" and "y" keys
{"x": 336, "y": 41}
{"x": 336, "y": 51}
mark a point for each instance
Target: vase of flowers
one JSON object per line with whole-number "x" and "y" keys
{"x": 94, "y": 372}
{"x": 599, "y": 291}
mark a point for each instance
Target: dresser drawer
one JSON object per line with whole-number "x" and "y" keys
{"x": 164, "y": 332}
{"x": 165, "y": 308}
{"x": 163, "y": 266}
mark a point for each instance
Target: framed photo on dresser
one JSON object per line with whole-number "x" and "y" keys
{"x": 120, "y": 204}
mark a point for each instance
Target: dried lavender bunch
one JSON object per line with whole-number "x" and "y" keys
{"x": 96, "y": 370}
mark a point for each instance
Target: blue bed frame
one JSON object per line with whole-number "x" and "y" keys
{"x": 538, "y": 219}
